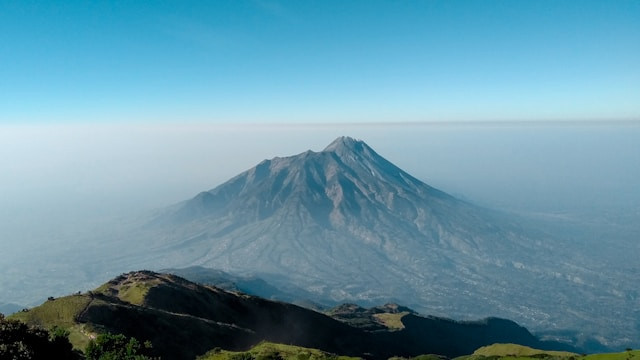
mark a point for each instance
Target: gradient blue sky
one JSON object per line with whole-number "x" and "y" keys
{"x": 318, "y": 61}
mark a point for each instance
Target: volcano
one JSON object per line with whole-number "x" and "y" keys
{"x": 345, "y": 224}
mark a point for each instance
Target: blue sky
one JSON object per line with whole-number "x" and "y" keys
{"x": 318, "y": 61}
{"x": 133, "y": 105}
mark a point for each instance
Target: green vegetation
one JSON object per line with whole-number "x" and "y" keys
{"x": 62, "y": 313}
{"x": 391, "y": 320}
{"x": 627, "y": 355}
{"x": 385, "y": 317}
{"x": 518, "y": 350}
{"x": 429, "y": 357}
{"x": 421, "y": 357}
{"x": 134, "y": 293}
{"x": 20, "y": 341}
{"x": 117, "y": 347}
{"x": 270, "y": 351}
{"x": 131, "y": 288}
{"x": 58, "y": 312}
{"x": 184, "y": 320}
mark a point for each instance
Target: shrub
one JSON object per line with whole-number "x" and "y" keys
{"x": 20, "y": 341}
{"x": 270, "y": 356}
{"x": 242, "y": 356}
{"x": 117, "y": 347}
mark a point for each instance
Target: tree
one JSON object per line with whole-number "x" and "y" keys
{"x": 59, "y": 339}
{"x": 20, "y": 341}
{"x": 117, "y": 347}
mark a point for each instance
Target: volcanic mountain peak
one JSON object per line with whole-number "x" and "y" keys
{"x": 346, "y": 184}
{"x": 346, "y": 225}
{"x": 357, "y": 153}
{"x": 345, "y": 143}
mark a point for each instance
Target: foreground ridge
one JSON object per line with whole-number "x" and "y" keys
{"x": 183, "y": 319}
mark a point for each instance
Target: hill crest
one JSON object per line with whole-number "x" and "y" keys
{"x": 183, "y": 319}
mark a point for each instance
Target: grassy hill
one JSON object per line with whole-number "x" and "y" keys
{"x": 183, "y": 320}
{"x": 61, "y": 312}
{"x": 520, "y": 352}
{"x": 271, "y": 351}
{"x": 385, "y": 317}
{"x": 627, "y": 355}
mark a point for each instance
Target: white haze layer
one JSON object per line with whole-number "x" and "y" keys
{"x": 60, "y": 180}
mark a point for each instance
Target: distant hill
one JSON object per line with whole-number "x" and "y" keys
{"x": 272, "y": 351}
{"x": 514, "y": 351}
{"x": 183, "y": 319}
{"x": 386, "y": 317}
{"x": 249, "y": 284}
{"x": 517, "y": 350}
{"x": 8, "y": 309}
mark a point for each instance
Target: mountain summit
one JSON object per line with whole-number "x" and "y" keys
{"x": 345, "y": 183}
{"x": 345, "y": 144}
{"x": 345, "y": 191}
{"x": 345, "y": 224}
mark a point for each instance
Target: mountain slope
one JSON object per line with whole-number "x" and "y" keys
{"x": 184, "y": 319}
{"x": 251, "y": 285}
{"x": 267, "y": 350}
{"x": 346, "y": 225}
{"x": 342, "y": 213}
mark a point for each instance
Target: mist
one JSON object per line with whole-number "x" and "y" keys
{"x": 83, "y": 171}
{"x": 62, "y": 182}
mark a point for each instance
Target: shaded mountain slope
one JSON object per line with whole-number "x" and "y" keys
{"x": 397, "y": 324}
{"x": 184, "y": 319}
{"x": 248, "y": 284}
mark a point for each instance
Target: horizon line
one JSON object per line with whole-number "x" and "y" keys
{"x": 294, "y": 124}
